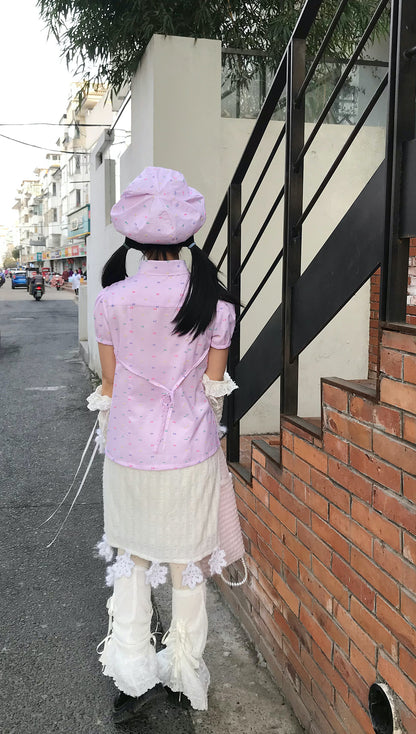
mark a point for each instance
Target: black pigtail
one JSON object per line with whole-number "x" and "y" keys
{"x": 115, "y": 267}
{"x": 204, "y": 291}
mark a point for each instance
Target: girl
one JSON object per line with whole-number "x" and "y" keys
{"x": 163, "y": 339}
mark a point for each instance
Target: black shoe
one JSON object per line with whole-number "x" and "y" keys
{"x": 128, "y": 708}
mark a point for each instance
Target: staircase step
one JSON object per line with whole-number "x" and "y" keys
{"x": 364, "y": 388}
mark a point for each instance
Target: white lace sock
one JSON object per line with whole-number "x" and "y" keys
{"x": 180, "y": 664}
{"x": 128, "y": 655}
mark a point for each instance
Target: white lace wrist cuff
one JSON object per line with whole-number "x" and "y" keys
{"x": 218, "y": 388}
{"x": 98, "y": 401}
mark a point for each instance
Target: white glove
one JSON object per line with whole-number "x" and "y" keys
{"x": 102, "y": 403}
{"x": 215, "y": 390}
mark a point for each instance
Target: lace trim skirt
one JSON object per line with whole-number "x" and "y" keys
{"x": 173, "y": 515}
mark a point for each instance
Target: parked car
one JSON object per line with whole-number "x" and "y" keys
{"x": 19, "y": 279}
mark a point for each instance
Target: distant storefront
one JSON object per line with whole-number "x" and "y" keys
{"x": 74, "y": 255}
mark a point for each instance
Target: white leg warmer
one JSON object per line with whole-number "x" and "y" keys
{"x": 128, "y": 655}
{"x": 180, "y": 664}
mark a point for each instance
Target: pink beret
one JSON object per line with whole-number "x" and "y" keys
{"x": 159, "y": 208}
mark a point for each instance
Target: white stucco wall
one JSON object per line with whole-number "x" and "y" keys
{"x": 176, "y": 122}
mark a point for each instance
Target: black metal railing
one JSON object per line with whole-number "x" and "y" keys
{"x": 286, "y": 334}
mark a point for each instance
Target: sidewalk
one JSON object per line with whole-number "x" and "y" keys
{"x": 53, "y": 605}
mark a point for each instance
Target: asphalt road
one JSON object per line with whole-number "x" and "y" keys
{"x": 52, "y": 602}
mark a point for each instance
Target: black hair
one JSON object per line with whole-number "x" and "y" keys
{"x": 204, "y": 291}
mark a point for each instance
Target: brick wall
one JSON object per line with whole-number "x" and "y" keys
{"x": 331, "y": 549}
{"x": 375, "y": 304}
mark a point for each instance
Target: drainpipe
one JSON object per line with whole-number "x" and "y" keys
{"x": 382, "y": 708}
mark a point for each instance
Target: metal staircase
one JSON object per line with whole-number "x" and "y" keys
{"x": 374, "y": 232}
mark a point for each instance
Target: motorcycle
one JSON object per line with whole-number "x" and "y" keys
{"x": 57, "y": 281}
{"x": 37, "y": 292}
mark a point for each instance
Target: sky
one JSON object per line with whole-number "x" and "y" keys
{"x": 35, "y": 86}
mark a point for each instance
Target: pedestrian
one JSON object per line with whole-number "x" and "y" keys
{"x": 75, "y": 280}
{"x": 163, "y": 337}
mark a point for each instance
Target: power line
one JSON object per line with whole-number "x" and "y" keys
{"x": 50, "y": 150}
{"x": 58, "y": 124}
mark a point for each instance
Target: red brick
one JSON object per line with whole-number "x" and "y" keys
{"x": 327, "y": 667}
{"x": 297, "y": 508}
{"x": 262, "y": 596}
{"x": 336, "y": 447}
{"x": 360, "y": 714}
{"x": 262, "y": 562}
{"x": 269, "y": 589}
{"x": 399, "y": 394}
{"x": 334, "y": 725}
{"x": 376, "y": 524}
{"x": 314, "y": 544}
{"x": 258, "y": 526}
{"x": 288, "y": 558}
{"x": 323, "y": 641}
{"x": 331, "y": 627}
{"x": 408, "y": 606}
{"x": 319, "y": 677}
{"x": 296, "y": 465}
{"x": 347, "y": 671}
{"x": 336, "y": 589}
{"x": 391, "y": 363}
{"x": 331, "y": 537}
{"x": 407, "y": 718}
{"x": 270, "y": 519}
{"x": 399, "y": 341}
{"x": 353, "y": 582}
{"x": 409, "y": 547}
{"x": 395, "y": 622}
{"x": 361, "y": 408}
{"x": 310, "y": 454}
{"x": 246, "y": 495}
{"x": 362, "y": 665}
{"x": 283, "y": 515}
{"x": 388, "y": 419}
{"x": 376, "y": 631}
{"x": 352, "y": 430}
{"x": 409, "y": 429}
{"x": 355, "y": 483}
{"x": 395, "y": 452}
{"x": 287, "y": 439}
{"x": 260, "y": 492}
{"x": 315, "y": 588}
{"x": 409, "y": 487}
{"x": 409, "y": 371}
{"x": 401, "y": 685}
{"x": 288, "y": 630}
{"x": 396, "y": 566}
{"x": 317, "y": 503}
{"x": 326, "y": 487}
{"x": 287, "y": 594}
{"x": 257, "y": 456}
{"x": 397, "y": 509}
{"x": 407, "y": 663}
{"x": 269, "y": 630}
{"x": 296, "y": 669}
{"x": 334, "y": 396}
{"x": 351, "y": 530}
{"x": 296, "y": 547}
{"x": 353, "y": 630}
{"x": 271, "y": 484}
{"x": 379, "y": 580}
{"x": 371, "y": 466}
{"x": 298, "y": 589}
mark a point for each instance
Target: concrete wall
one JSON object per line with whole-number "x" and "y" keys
{"x": 176, "y": 122}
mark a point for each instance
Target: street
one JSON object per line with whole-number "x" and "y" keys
{"x": 53, "y": 600}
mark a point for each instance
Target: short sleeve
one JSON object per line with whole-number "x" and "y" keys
{"x": 224, "y": 324}
{"x": 102, "y": 329}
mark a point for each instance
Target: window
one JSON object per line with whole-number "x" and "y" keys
{"x": 77, "y": 197}
{"x": 54, "y": 215}
{"x": 54, "y": 189}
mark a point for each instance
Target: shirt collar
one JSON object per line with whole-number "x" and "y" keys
{"x": 163, "y": 267}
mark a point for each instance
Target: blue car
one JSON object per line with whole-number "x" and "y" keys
{"x": 19, "y": 279}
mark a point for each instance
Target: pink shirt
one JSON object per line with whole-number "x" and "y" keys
{"x": 160, "y": 417}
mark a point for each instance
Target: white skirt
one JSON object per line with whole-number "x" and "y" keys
{"x": 166, "y": 516}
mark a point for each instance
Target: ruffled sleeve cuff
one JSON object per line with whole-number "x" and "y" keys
{"x": 218, "y": 388}
{"x": 98, "y": 401}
